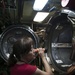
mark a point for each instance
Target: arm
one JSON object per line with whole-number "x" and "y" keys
{"x": 48, "y": 70}
{"x": 47, "y": 66}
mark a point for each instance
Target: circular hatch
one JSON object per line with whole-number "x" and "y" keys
{"x": 59, "y": 42}
{"x": 11, "y": 34}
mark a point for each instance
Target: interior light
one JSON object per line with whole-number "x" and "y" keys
{"x": 64, "y": 3}
{"x": 39, "y": 4}
{"x": 40, "y": 16}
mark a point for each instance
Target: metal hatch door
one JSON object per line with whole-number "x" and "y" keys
{"x": 59, "y": 42}
{"x": 11, "y": 34}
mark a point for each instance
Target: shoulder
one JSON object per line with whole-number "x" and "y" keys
{"x": 32, "y": 67}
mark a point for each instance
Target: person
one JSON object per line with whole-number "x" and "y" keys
{"x": 71, "y": 70}
{"x": 23, "y": 53}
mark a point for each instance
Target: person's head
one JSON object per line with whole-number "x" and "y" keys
{"x": 22, "y": 51}
{"x": 71, "y": 70}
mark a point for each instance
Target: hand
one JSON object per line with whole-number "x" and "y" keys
{"x": 40, "y": 51}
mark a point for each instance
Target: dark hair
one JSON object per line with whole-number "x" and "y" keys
{"x": 71, "y": 70}
{"x": 20, "y": 48}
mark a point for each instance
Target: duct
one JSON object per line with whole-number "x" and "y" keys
{"x": 20, "y": 9}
